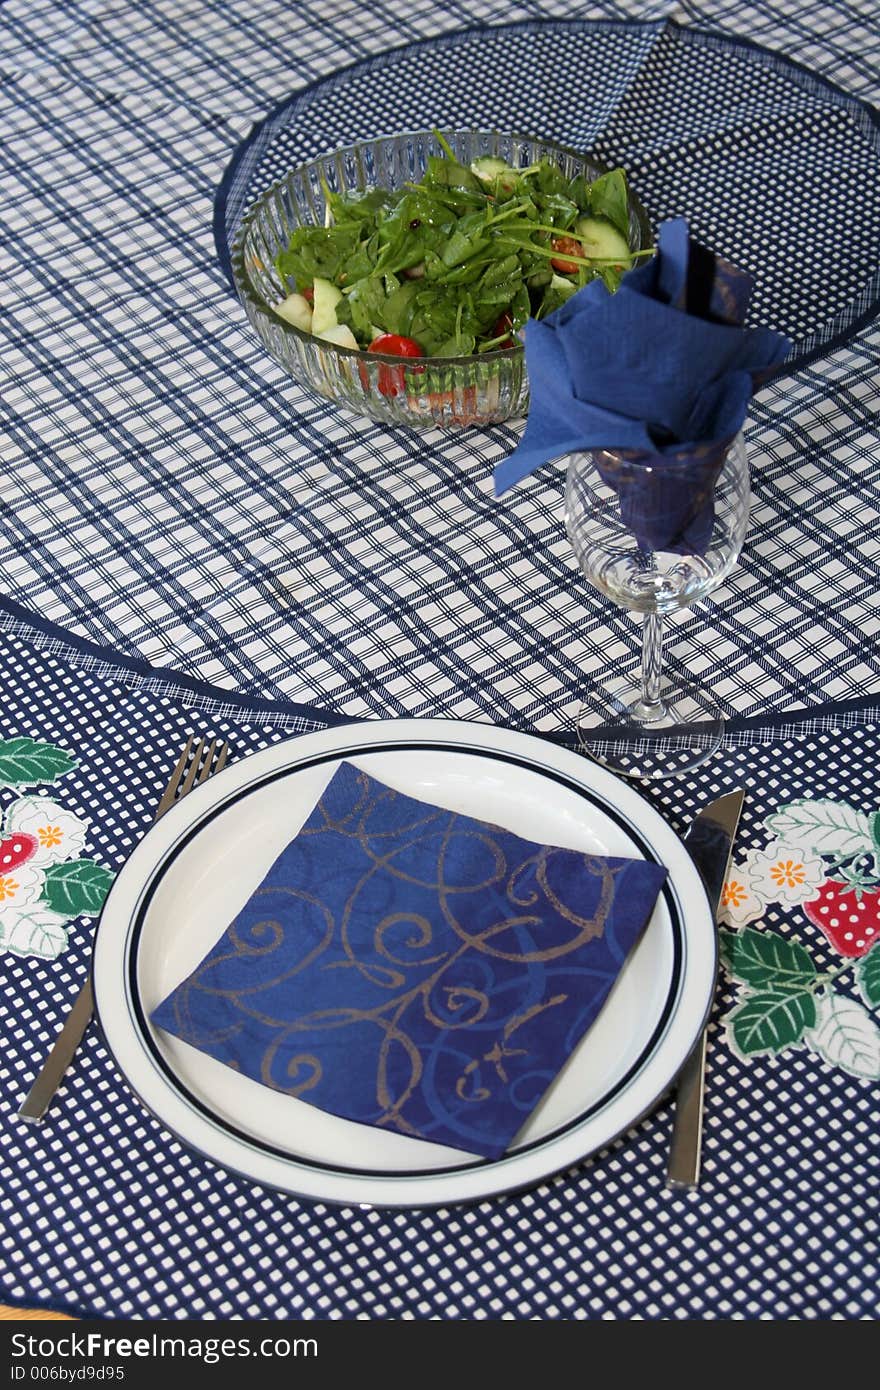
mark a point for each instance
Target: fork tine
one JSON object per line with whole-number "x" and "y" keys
{"x": 207, "y": 768}
{"x": 172, "y": 791}
{"x": 215, "y": 760}
{"x": 190, "y": 779}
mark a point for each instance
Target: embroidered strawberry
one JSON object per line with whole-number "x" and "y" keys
{"x": 17, "y": 849}
{"x": 851, "y": 924}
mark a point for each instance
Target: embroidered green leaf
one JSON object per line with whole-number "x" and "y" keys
{"x": 34, "y": 930}
{"x": 27, "y": 761}
{"x": 76, "y": 888}
{"x": 845, "y": 1035}
{"x": 868, "y": 976}
{"x": 826, "y": 827}
{"x": 770, "y": 1021}
{"x": 875, "y": 830}
{"x": 765, "y": 958}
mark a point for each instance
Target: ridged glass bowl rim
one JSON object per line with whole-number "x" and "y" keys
{"x": 244, "y": 288}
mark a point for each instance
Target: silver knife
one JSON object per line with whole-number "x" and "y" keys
{"x": 710, "y": 841}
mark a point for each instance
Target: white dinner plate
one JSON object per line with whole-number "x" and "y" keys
{"x": 199, "y": 864}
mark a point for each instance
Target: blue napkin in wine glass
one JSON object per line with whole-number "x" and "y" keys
{"x": 660, "y": 372}
{"x": 412, "y": 968}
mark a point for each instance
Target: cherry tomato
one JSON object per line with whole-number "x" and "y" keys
{"x": 505, "y": 326}
{"x": 308, "y": 293}
{"x": 569, "y": 246}
{"x": 392, "y": 380}
{"x": 395, "y": 345}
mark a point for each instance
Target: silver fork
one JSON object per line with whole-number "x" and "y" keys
{"x": 194, "y": 765}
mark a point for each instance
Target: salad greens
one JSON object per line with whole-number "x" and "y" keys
{"x": 456, "y": 263}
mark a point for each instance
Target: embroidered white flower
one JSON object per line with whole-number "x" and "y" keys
{"x": 33, "y": 929}
{"x": 59, "y": 834}
{"x": 782, "y": 873}
{"x": 20, "y": 886}
{"x": 739, "y": 902}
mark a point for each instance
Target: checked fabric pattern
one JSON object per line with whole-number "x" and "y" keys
{"x": 704, "y": 129}
{"x": 170, "y": 493}
{"x": 104, "y": 1213}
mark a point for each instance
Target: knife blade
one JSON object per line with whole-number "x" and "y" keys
{"x": 710, "y": 841}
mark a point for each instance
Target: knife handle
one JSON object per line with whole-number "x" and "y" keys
{"x": 49, "y": 1079}
{"x": 687, "y": 1124}
{"x": 709, "y": 841}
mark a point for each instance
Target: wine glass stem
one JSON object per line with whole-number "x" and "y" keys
{"x": 651, "y": 707}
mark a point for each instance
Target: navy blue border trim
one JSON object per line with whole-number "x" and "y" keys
{"x": 792, "y": 364}
{"x": 404, "y": 746}
{"x": 780, "y": 720}
{"x": 191, "y": 685}
{"x": 319, "y": 714}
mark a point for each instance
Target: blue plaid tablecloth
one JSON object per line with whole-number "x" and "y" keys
{"x": 167, "y": 491}
{"x": 175, "y": 512}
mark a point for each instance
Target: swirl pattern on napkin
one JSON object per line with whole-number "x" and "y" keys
{"x": 416, "y": 969}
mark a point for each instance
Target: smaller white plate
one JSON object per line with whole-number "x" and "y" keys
{"x": 197, "y": 867}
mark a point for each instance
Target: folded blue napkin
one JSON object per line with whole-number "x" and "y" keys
{"x": 663, "y": 371}
{"x": 408, "y": 967}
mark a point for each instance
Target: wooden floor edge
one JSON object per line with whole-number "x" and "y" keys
{"x": 33, "y": 1314}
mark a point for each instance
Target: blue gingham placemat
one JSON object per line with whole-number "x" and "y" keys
{"x": 775, "y": 168}
{"x": 167, "y": 491}
{"x": 105, "y": 1213}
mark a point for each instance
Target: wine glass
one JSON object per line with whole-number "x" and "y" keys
{"x": 646, "y": 723}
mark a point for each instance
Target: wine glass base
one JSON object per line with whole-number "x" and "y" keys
{"x": 615, "y": 729}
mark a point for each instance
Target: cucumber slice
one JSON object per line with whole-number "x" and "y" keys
{"x": 340, "y": 334}
{"x": 498, "y": 176}
{"x": 327, "y": 296}
{"x": 297, "y": 310}
{"x": 488, "y": 167}
{"x": 602, "y": 242}
{"x": 566, "y": 287}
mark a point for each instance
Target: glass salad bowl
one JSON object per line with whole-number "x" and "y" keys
{"x": 446, "y": 392}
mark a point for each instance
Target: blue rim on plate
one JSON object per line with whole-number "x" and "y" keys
{"x": 193, "y": 1095}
